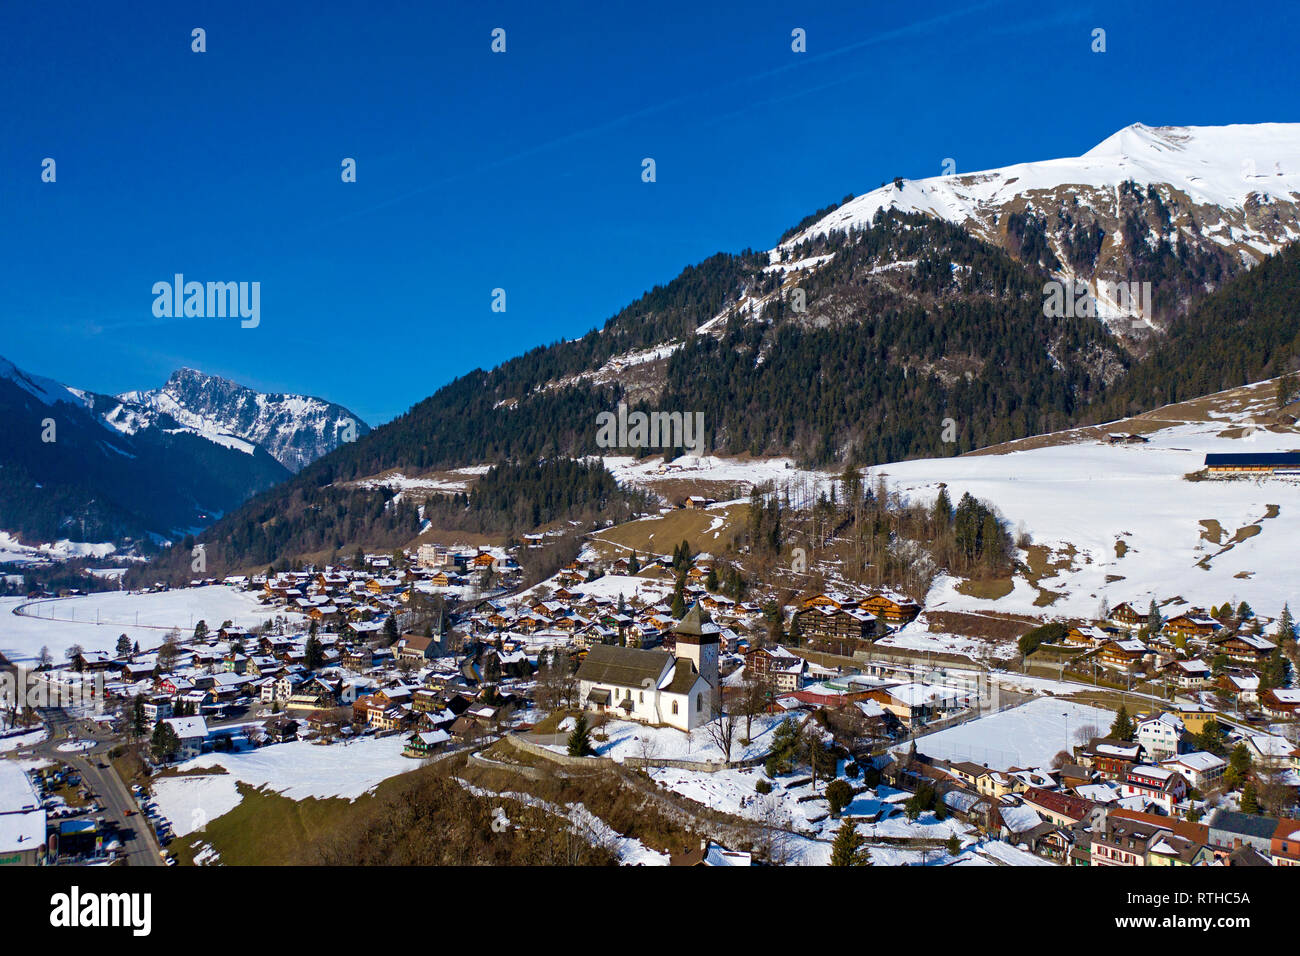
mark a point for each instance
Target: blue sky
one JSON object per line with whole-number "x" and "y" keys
{"x": 519, "y": 170}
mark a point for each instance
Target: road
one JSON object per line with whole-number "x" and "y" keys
{"x": 139, "y": 845}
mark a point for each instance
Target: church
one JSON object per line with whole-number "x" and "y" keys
{"x": 654, "y": 686}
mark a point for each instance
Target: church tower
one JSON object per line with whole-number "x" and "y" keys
{"x": 698, "y": 642}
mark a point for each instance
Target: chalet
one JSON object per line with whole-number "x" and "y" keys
{"x": 891, "y": 608}
{"x": 777, "y": 668}
{"x": 698, "y": 501}
{"x": 416, "y": 648}
{"x": 1190, "y": 674}
{"x": 1125, "y": 616}
{"x": 1163, "y": 786}
{"x": 92, "y": 661}
{"x": 1170, "y": 849}
{"x": 711, "y": 854}
{"x": 1111, "y": 758}
{"x": 1280, "y": 702}
{"x": 191, "y": 732}
{"x": 1124, "y": 842}
{"x": 1125, "y": 654}
{"x": 1267, "y": 750}
{"x": 1188, "y": 626}
{"x": 1245, "y": 647}
{"x": 837, "y": 630}
{"x": 1243, "y": 688}
{"x": 1087, "y": 635}
{"x": 821, "y": 600}
{"x": 425, "y": 743}
{"x": 917, "y": 704}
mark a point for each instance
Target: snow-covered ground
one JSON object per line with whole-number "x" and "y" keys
{"x": 631, "y": 739}
{"x": 1026, "y": 736}
{"x": 14, "y": 551}
{"x": 16, "y": 740}
{"x": 1090, "y": 495}
{"x": 647, "y": 471}
{"x": 96, "y": 620}
{"x": 648, "y": 590}
{"x": 296, "y": 770}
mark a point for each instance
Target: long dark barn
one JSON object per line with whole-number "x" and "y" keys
{"x": 1275, "y": 462}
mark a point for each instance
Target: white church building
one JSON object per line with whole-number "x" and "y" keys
{"x": 654, "y": 686}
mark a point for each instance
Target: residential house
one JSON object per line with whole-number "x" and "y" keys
{"x": 1162, "y": 786}
{"x": 1161, "y": 737}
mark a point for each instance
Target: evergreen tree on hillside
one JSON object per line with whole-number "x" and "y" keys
{"x": 849, "y": 846}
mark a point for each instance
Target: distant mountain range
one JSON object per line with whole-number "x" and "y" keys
{"x": 84, "y": 466}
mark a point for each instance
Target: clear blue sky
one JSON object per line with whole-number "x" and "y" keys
{"x": 518, "y": 170}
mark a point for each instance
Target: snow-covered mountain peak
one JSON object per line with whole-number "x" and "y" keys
{"x": 1215, "y": 165}
{"x": 295, "y": 429}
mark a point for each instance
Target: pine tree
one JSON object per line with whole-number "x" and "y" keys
{"x": 1250, "y": 799}
{"x": 1154, "y": 621}
{"x": 848, "y": 847}
{"x": 165, "y": 742}
{"x": 579, "y": 744}
{"x": 795, "y": 634}
{"x": 941, "y": 514}
{"x": 1286, "y": 625}
{"x": 1122, "y": 728}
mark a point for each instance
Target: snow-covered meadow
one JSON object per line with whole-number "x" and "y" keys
{"x": 296, "y": 770}
{"x": 95, "y": 621}
{"x": 1025, "y": 736}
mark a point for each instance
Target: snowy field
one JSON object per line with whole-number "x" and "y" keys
{"x": 296, "y": 770}
{"x": 13, "y": 741}
{"x": 644, "y": 472}
{"x": 1025, "y": 736}
{"x": 1090, "y": 495}
{"x": 631, "y": 739}
{"x": 96, "y": 620}
{"x": 13, "y": 551}
{"x": 610, "y": 586}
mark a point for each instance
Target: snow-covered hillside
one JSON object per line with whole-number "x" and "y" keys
{"x": 1123, "y": 523}
{"x": 1234, "y": 187}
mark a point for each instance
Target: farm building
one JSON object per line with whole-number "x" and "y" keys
{"x": 1276, "y": 463}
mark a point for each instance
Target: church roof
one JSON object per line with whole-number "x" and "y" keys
{"x": 624, "y": 666}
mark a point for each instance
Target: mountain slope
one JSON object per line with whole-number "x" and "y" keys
{"x": 1182, "y": 206}
{"x": 294, "y": 429}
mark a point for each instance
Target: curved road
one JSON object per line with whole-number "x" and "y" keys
{"x": 139, "y": 845}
